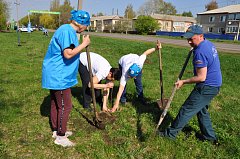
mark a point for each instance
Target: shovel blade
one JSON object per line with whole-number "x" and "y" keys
{"x": 162, "y": 103}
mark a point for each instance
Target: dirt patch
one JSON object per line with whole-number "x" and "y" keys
{"x": 106, "y": 117}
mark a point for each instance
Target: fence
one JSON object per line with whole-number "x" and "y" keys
{"x": 207, "y": 35}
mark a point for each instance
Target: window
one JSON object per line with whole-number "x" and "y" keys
{"x": 221, "y": 30}
{"x": 211, "y": 19}
{"x": 210, "y": 29}
{"x": 237, "y": 16}
{"x": 223, "y": 18}
{"x": 231, "y": 17}
{"x": 232, "y": 29}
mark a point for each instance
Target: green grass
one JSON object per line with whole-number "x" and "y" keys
{"x": 24, "y": 107}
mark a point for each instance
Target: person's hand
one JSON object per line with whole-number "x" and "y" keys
{"x": 110, "y": 85}
{"x": 179, "y": 84}
{"x": 158, "y": 45}
{"x": 114, "y": 109}
{"x": 86, "y": 40}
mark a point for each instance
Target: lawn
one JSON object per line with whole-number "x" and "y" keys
{"x": 24, "y": 106}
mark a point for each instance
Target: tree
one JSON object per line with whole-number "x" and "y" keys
{"x": 129, "y": 13}
{"x": 158, "y": 7}
{"x": 168, "y": 8}
{"x": 100, "y": 14}
{"x": 123, "y": 26}
{"x": 65, "y": 10}
{"x": 145, "y": 24}
{"x": 4, "y": 14}
{"x": 47, "y": 21}
{"x": 212, "y": 5}
{"x": 187, "y": 14}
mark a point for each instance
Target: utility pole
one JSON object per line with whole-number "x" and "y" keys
{"x": 79, "y": 8}
{"x": 238, "y": 30}
{"x": 17, "y": 4}
{"x": 79, "y": 4}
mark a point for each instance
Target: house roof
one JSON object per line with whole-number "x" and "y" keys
{"x": 227, "y": 9}
{"x": 113, "y": 17}
{"x": 173, "y": 18}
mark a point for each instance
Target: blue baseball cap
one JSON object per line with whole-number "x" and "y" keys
{"x": 193, "y": 30}
{"x": 81, "y": 17}
{"x": 134, "y": 70}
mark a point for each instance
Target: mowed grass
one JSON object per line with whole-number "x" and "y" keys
{"x": 24, "y": 106}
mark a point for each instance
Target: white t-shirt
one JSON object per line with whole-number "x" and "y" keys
{"x": 126, "y": 62}
{"x": 100, "y": 66}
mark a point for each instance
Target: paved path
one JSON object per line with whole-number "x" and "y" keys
{"x": 228, "y": 48}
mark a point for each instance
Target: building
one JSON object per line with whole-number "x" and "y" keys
{"x": 101, "y": 23}
{"x": 173, "y": 23}
{"x": 224, "y": 20}
{"x": 167, "y": 23}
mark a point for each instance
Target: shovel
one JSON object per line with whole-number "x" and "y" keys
{"x": 173, "y": 91}
{"x": 162, "y": 101}
{"x": 96, "y": 120}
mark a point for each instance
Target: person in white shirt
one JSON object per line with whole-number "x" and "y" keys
{"x": 131, "y": 66}
{"x": 101, "y": 69}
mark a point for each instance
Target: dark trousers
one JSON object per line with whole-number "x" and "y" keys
{"x": 61, "y": 106}
{"x": 138, "y": 84}
{"x": 196, "y": 104}
{"x": 86, "y": 91}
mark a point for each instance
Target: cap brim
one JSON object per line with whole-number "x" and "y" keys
{"x": 188, "y": 35}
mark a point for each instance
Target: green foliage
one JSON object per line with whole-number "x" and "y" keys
{"x": 123, "y": 26}
{"x": 146, "y": 24}
{"x": 187, "y": 14}
{"x": 4, "y": 14}
{"x": 47, "y": 21}
{"x": 24, "y": 107}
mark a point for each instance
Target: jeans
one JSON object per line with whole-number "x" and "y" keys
{"x": 86, "y": 91}
{"x": 139, "y": 88}
{"x": 196, "y": 104}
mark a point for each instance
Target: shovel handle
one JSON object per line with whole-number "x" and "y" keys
{"x": 173, "y": 91}
{"x": 91, "y": 80}
{"x": 160, "y": 69}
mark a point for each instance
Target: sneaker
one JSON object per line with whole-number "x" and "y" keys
{"x": 63, "y": 141}
{"x": 67, "y": 134}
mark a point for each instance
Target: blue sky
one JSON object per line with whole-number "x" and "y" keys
{"x": 107, "y": 6}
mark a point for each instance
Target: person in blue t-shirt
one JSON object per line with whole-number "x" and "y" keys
{"x": 208, "y": 79}
{"x": 59, "y": 72}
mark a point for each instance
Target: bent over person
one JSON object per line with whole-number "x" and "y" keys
{"x": 59, "y": 72}
{"x": 101, "y": 69}
{"x": 207, "y": 78}
{"x": 131, "y": 66}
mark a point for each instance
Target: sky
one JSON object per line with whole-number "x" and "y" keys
{"x": 108, "y": 6}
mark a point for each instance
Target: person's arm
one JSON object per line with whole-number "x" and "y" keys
{"x": 96, "y": 84}
{"x": 119, "y": 94}
{"x": 105, "y": 99}
{"x": 200, "y": 77}
{"x": 149, "y": 51}
{"x": 69, "y": 53}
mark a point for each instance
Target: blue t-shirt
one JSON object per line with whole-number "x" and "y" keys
{"x": 59, "y": 73}
{"x": 206, "y": 55}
